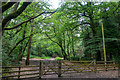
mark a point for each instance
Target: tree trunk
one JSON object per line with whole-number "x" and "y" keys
{"x": 93, "y": 25}
{"x": 73, "y": 51}
{"x": 29, "y": 47}
{"x": 68, "y": 45}
{"x": 23, "y": 49}
{"x": 20, "y": 53}
{"x": 98, "y": 55}
{"x": 64, "y": 41}
{"x": 62, "y": 49}
{"x": 28, "y": 53}
{"x": 64, "y": 53}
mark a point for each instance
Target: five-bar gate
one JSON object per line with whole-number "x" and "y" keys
{"x": 59, "y": 68}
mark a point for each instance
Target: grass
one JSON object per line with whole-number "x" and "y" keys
{"x": 44, "y": 57}
{"x": 58, "y": 58}
{"x": 32, "y": 56}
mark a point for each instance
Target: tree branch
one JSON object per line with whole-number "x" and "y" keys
{"x": 19, "y": 43}
{"x": 28, "y": 20}
{"x": 14, "y": 14}
{"x": 7, "y": 6}
{"x": 116, "y": 8}
{"x": 51, "y": 39}
{"x": 80, "y": 24}
{"x": 14, "y": 9}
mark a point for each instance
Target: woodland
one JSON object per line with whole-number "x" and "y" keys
{"x": 73, "y": 31}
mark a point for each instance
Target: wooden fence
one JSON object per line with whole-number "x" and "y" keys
{"x": 87, "y": 66}
{"x": 56, "y": 67}
{"x": 20, "y": 72}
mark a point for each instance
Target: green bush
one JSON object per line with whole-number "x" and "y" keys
{"x": 76, "y": 58}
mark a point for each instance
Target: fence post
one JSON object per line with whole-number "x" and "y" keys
{"x": 105, "y": 66}
{"x": 95, "y": 66}
{"x": 19, "y": 72}
{"x": 59, "y": 68}
{"x": 114, "y": 64}
{"x": 40, "y": 69}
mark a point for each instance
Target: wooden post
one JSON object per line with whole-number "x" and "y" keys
{"x": 114, "y": 65}
{"x": 118, "y": 69}
{"x": 19, "y": 72}
{"x": 95, "y": 66}
{"x": 59, "y": 68}
{"x": 40, "y": 69}
{"x": 105, "y": 66}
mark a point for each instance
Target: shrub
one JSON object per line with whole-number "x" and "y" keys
{"x": 75, "y": 58}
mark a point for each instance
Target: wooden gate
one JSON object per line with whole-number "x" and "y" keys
{"x": 77, "y": 67}
{"x": 57, "y": 67}
{"x": 68, "y": 67}
{"x": 49, "y": 67}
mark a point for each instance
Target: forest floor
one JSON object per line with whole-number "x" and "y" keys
{"x": 100, "y": 74}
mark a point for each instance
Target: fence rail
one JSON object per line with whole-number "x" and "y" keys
{"x": 19, "y": 71}
{"x": 56, "y": 67}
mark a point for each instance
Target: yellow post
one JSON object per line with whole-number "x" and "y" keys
{"x": 104, "y": 44}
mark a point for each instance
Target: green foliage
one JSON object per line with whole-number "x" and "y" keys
{"x": 58, "y": 58}
{"x": 75, "y": 58}
{"x": 6, "y": 59}
{"x": 72, "y": 32}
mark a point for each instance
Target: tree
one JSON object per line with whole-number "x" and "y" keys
{"x": 14, "y": 27}
{"x": 88, "y": 17}
{"x": 29, "y": 47}
{"x": 14, "y": 14}
{"x": 73, "y": 31}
